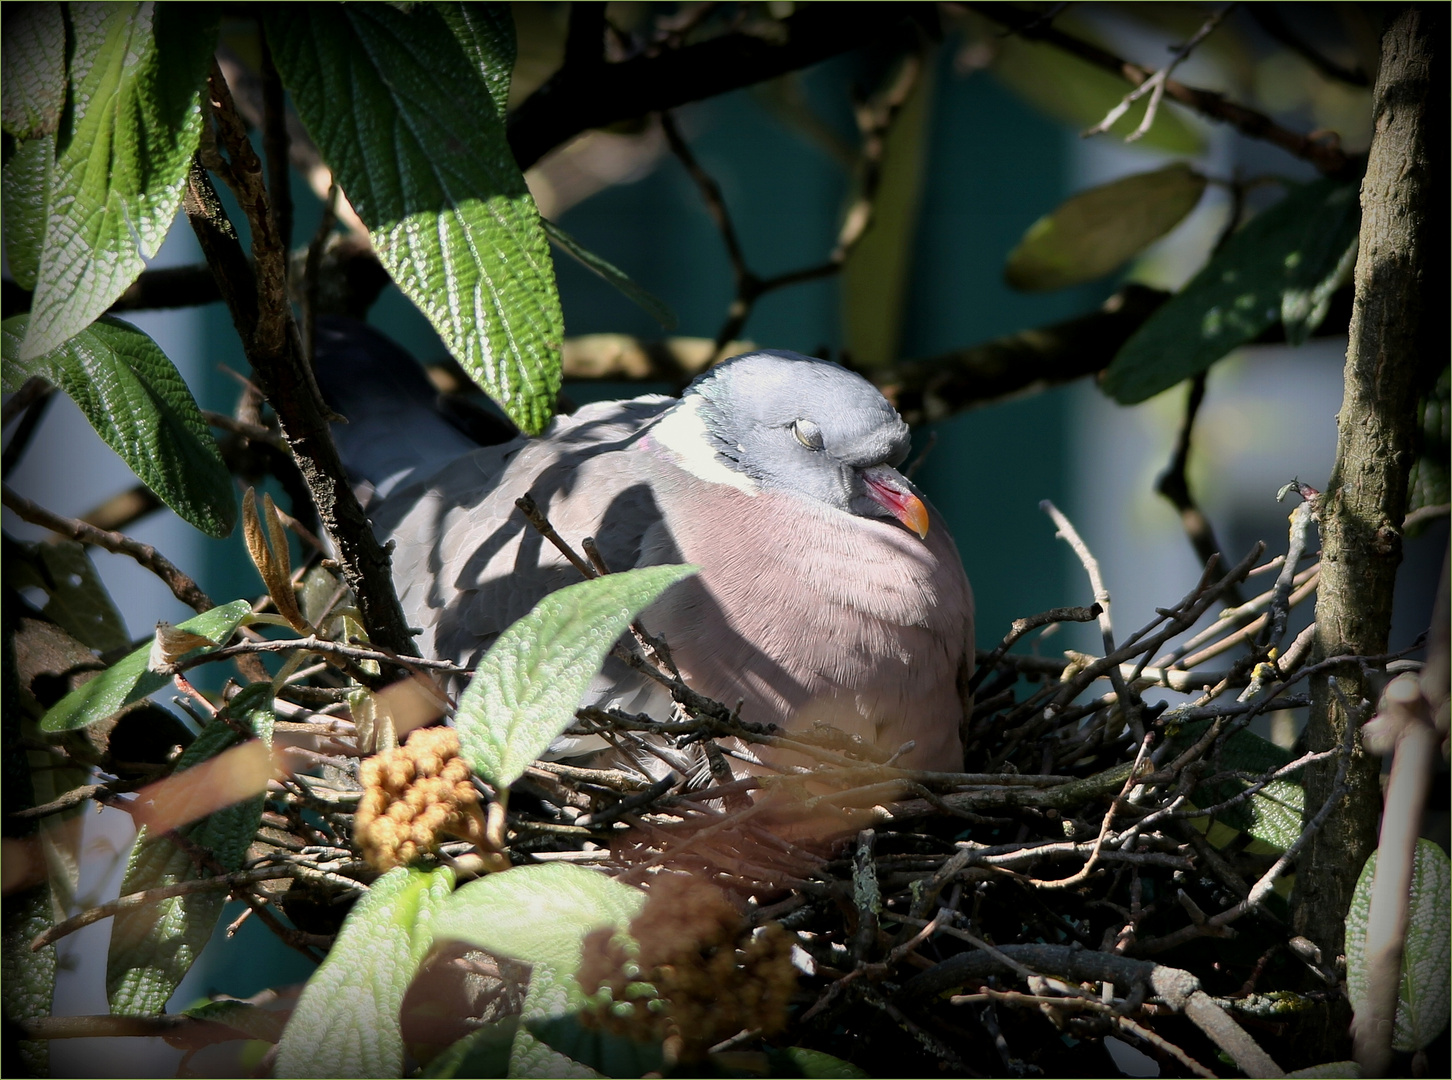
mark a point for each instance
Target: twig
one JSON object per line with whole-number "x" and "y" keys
{"x": 1155, "y": 84}
{"x": 1330, "y": 160}
{"x": 181, "y": 586}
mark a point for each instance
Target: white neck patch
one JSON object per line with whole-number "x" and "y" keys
{"x": 683, "y": 432}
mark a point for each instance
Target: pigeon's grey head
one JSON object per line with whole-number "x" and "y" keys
{"x": 793, "y": 423}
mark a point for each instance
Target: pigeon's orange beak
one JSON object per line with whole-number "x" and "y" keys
{"x": 890, "y": 489}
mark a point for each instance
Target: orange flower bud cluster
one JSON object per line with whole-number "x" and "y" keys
{"x": 413, "y": 796}
{"x": 696, "y": 975}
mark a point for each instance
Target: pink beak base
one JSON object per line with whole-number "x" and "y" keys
{"x": 888, "y": 488}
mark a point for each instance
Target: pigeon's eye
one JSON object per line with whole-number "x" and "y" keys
{"x": 808, "y": 434}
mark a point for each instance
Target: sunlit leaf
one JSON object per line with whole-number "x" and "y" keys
{"x": 1423, "y": 997}
{"x": 1290, "y": 250}
{"x": 135, "y": 120}
{"x": 129, "y": 679}
{"x": 1273, "y": 814}
{"x": 412, "y": 134}
{"x": 1097, "y": 231}
{"x": 153, "y": 947}
{"x": 347, "y": 1021}
{"x": 139, "y": 404}
{"x": 526, "y": 689}
{"x": 540, "y": 915}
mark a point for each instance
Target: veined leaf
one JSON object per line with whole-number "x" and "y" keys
{"x": 1423, "y": 997}
{"x": 486, "y": 33}
{"x": 139, "y": 404}
{"x": 1283, "y": 258}
{"x": 1097, "y": 231}
{"x": 540, "y": 915}
{"x": 135, "y": 120}
{"x": 24, "y": 204}
{"x": 1273, "y": 814}
{"x": 153, "y": 947}
{"x": 416, "y": 141}
{"x": 347, "y": 1021}
{"x": 608, "y": 272}
{"x": 33, "y": 71}
{"x": 77, "y": 599}
{"x": 129, "y": 679}
{"x": 527, "y": 687}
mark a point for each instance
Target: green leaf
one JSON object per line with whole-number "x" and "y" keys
{"x": 129, "y": 679}
{"x": 27, "y": 979}
{"x": 1423, "y": 997}
{"x": 415, "y": 139}
{"x": 139, "y": 404}
{"x": 485, "y": 1052}
{"x": 347, "y": 1021}
{"x": 33, "y": 70}
{"x": 653, "y": 305}
{"x": 1079, "y": 93}
{"x": 77, "y": 598}
{"x": 135, "y": 120}
{"x": 1273, "y": 814}
{"x": 1097, "y": 231}
{"x": 1285, "y": 256}
{"x": 24, "y": 203}
{"x": 252, "y": 1021}
{"x": 154, "y": 946}
{"x": 486, "y": 33}
{"x": 527, "y": 687}
{"x": 606, "y": 1054}
{"x": 813, "y": 1063}
{"x": 539, "y": 915}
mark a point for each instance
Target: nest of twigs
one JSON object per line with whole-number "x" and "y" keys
{"x": 1105, "y": 872}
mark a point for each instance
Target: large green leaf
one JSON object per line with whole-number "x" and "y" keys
{"x": 139, "y": 404}
{"x": 1273, "y": 814}
{"x": 135, "y": 119}
{"x": 129, "y": 679}
{"x": 527, "y": 687}
{"x": 414, "y": 137}
{"x": 486, "y": 33}
{"x": 27, "y": 979}
{"x": 24, "y": 203}
{"x": 347, "y": 1021}
{"x": 32, "y": 70}
{"x": 1423, "y": 998}
{"x": 540, "y": 915}
{"x": 1097, "y": 231}
{"x": 1283, "y": 264}
{"x": 153, "y": 947}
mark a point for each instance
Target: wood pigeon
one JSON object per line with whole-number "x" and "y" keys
{"x": 830, "y": 591}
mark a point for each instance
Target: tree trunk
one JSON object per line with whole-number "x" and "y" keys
{"x": 1397, "y": 322}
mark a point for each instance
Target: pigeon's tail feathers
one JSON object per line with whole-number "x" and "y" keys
{"x": 396, "y": 430}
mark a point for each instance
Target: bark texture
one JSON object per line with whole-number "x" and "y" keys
{"x": 1398, "y": 319}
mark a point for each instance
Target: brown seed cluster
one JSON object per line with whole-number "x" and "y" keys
{"x": 413, "y": 796}
{"x": 697, "y": 976}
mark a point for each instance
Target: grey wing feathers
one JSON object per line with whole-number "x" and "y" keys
{"x": 395, "y": 430}
{"x": 468, "y": 563}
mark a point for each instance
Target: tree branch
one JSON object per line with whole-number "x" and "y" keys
{"x": 263, "y": 316}
{"x": 1397, "y": 334}
{"x": 576, "y": 99}
{"x": 1330, "y": 159}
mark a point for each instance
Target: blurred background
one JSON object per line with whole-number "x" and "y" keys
{"x": 987, "y": 142}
